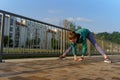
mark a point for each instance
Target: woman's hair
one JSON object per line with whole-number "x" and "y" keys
{"x": 73, "y": 35}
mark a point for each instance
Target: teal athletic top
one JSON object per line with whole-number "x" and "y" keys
{"x": 82, "y": 39}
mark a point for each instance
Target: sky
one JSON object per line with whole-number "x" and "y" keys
{"x": 95, "y": 15}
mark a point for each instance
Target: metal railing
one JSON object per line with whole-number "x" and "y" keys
{"x": 23, "y": 36}
{"x": 109, "y": 47}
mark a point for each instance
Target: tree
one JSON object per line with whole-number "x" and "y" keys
{"x": 78, "y": 27}
{"x": 69, "y": 25}
{"x": 54, "y": 43}
{"x": 113, "y": 37}
{"x": 72, "y": 26}
{"x": 34, "y": 43}
{"x": 7, "y": 41}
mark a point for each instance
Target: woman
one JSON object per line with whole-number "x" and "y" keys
{"x": 81, "y": 36}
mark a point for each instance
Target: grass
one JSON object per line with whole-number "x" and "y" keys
{"x": 16, "y": 53}
{"x": 28, "y": 50}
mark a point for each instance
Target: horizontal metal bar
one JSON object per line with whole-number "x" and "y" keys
{"x": 9, "y": 13}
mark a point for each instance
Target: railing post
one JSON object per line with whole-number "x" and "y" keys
{"x": 111, "y": 48}
{"x": 61, "y": 42}
{"x": 119, "y": 48}
{"x": 88, "y": 46}
{"x": 103, "y": 45}
{"x": 64, "y": 34}
{"x": 2, "y": 36}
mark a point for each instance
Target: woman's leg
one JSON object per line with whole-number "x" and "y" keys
{"x": 67, "y": 51}
{"x": 95, "y": 44}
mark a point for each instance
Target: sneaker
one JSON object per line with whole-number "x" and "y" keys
{"x": 61, "y": 57}
{"x": 107, "y": 61}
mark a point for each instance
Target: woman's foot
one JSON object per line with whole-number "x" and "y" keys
{"x": 107, "y": 60}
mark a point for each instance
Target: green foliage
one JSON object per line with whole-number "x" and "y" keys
{"x": 113, "y": 37}
{"x": 78, "y": 27}
{"x": 33, "y": 42}
{"x": 54, "y": 43}
{"x": 72, "y": 26}
{"x": 7, "y": 41}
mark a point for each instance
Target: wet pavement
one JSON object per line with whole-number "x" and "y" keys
{"x": 92, "y": 68}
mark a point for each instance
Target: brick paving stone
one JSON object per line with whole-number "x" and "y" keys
{"x": 92, "y": 68}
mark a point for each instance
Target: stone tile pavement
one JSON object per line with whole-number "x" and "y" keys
{"x": 92, "y": 68}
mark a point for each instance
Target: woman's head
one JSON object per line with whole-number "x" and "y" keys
{"x": 73, "y": 36}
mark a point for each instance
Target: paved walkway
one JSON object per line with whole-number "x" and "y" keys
{"x": 92, "y": 68}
